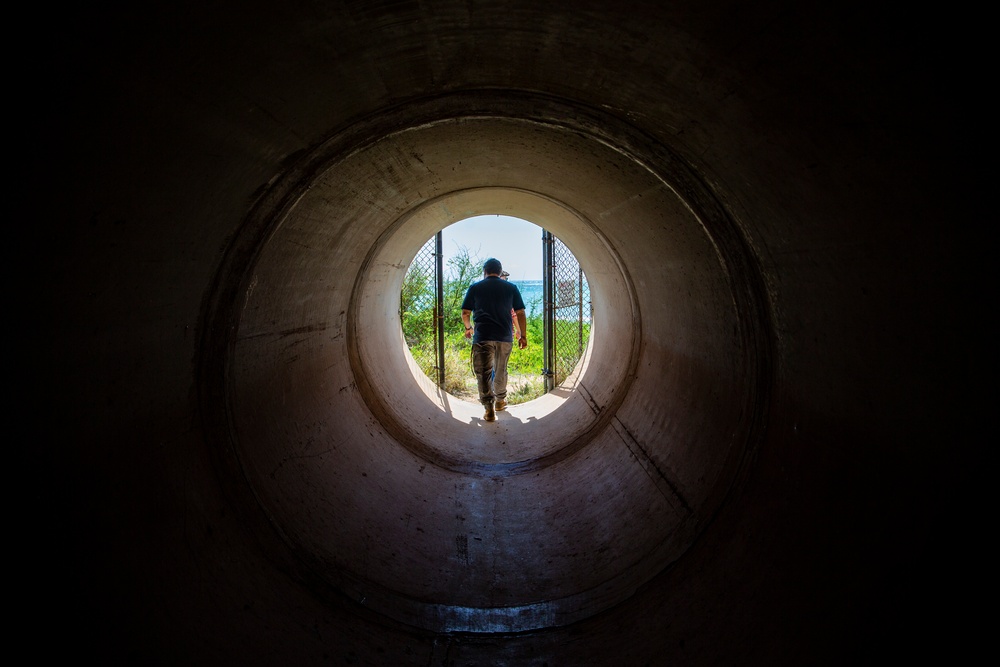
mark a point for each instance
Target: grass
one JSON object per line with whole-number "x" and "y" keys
{"x": 524, "y": 369}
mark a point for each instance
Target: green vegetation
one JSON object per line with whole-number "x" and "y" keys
{"x": 417, "y": 313}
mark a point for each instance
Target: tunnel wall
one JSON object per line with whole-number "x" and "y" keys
{"x": 178, "y": 143}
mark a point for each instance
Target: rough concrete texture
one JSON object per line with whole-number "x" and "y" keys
{"x": 239, "y": 464}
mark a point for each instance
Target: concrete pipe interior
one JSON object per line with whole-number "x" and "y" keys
{"x": 384, "y": 488}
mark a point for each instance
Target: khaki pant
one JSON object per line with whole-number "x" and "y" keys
{"x": 489, "y": 363}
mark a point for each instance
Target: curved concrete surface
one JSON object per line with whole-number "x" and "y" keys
{"x": 658, "y": 419}
{"x": 741, "y": 472}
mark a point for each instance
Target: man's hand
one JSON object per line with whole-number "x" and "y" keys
{"x": 521, "y": 326}
{"x": 467, "y": 322}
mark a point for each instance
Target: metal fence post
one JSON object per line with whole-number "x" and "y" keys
{"x": 548, "y": 312}
{"x": 439, "y": 305}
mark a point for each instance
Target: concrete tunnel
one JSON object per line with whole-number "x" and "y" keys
{"x": 243, "y": 465}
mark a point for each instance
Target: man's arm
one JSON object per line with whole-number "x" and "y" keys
{"x": 467, "y": 321}
{"x": 522, "y": 329}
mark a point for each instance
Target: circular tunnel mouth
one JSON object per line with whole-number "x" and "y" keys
{"x": 448, "y": 431}
{"x": 552, "y": 284}
{"x": 374, "y": 485}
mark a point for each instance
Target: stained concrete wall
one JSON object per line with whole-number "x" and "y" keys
{"x": 238, "y": 465}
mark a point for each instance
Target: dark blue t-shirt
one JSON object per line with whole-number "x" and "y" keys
{"x": 490, "y": 301}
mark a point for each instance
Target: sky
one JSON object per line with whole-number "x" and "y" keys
{"x": 515, "y": 242}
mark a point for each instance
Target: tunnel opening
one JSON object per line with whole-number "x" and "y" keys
{"x": 550, "y": 280}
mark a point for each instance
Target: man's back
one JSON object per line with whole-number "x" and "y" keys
{"x": 491, "y": 301}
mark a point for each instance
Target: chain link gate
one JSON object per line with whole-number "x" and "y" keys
{"x": 568, "y": 311}
{"x": 421, "y": 309}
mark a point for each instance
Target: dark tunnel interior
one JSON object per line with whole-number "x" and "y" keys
{"x": 755, "y": 464}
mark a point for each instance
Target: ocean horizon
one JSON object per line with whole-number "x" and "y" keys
{"x": 531, "y": 294}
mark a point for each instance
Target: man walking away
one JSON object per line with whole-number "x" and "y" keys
{"x": 488, "y": 303}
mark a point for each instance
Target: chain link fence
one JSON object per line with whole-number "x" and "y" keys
{"x": 567, "y": 316}
{"x": 418, "y": 304}
{"x": 571, "y": 311}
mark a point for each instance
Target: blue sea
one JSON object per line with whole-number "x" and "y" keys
{"x": 531, "y": 293}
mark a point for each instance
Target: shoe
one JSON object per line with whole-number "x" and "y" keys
{"x": 501, "y": 404}
{"x": 491, "y": 414}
